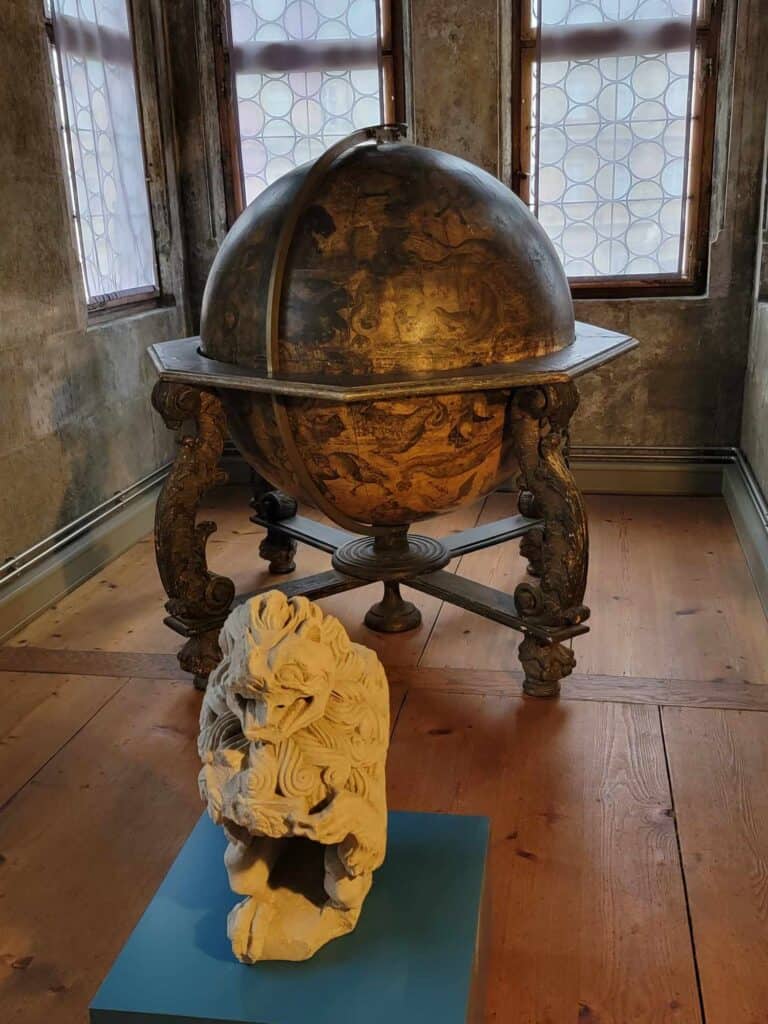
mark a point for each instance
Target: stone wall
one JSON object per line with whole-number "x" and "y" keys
{"x": 75, "y": 420}
{"x": 754, "y": 428}
{"x": 754, "y": 438}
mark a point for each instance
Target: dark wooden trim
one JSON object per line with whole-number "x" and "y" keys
{"x": 397, "y": 53}
{"x": 491, "y": 603}
{"x": 475, "y": 538}
{"x": 703, "y": 143}
{"x": 182, "y": 361}
{"x": 91, "y": 663}
{"x": 144, "y": 83}
{"x": 637, "y": 287}
{"x": 158, "y": 137}
{"x": 129, "y": 305}
{"x": 229, "y": 125}
{"x": 148, "y": 297}
{"x": 711, "y": 693}
{"x": 315, "y": 587}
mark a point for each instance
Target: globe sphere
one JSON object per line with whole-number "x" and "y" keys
{"x": 404, "y": 263}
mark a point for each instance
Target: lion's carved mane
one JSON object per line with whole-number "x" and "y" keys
{"x": 293, "y": 738}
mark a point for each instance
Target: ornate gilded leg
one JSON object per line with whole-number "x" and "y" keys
{"x": 540, "y": 418}
{"x": 531, "y": 542}
{"x": 277, "y": 548}
{"x": 198, "y": 600}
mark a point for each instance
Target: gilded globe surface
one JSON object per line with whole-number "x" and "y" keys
{"x": 403, "y": 261}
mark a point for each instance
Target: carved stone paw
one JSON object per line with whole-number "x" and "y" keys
{"x": 247, "y": 928}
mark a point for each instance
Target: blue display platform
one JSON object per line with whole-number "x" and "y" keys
{"x": 412, "y": 958}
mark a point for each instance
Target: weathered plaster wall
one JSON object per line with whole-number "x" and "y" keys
{"x": 75, "y": 420}
{"x": 754, "y": 438}
{"x": 754, "y": 430}
{"x": 684, "y": 385}
{"x": 454, "y": 73}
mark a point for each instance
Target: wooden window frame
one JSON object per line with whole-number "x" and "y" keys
{"x": 700, "y": 157}
{"x": 391, "y": 79}
{"x": 131, "y": 300}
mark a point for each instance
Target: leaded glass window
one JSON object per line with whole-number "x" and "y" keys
{"x": 306, "y": 74}
{"x": 96, "y": 86}
{"x": 614, "y": 134}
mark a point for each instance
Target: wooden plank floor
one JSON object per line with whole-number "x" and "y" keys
{"x": 629, "y": 822}
{"x": 719, "y": 767}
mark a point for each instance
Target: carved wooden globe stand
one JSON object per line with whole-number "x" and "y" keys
{"x": 387, "y": 334}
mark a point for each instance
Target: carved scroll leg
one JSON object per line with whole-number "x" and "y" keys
{"x": 277, "y": 548}
{"x": 198, "y": 600}
{"x": 531, "y": 542}
{"x": 559, "y": 554}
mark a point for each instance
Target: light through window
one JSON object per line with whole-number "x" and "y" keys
{"x": 613, "y": 156}
{"x": 306, "y": 74}
{"x": 94, "y": 70}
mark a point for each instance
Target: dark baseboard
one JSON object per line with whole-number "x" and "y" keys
{"x": 650, "y": 470}
{"x": 40, "y": 576}
{"x": 749, "y": 511}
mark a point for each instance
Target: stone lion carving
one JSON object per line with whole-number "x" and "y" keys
{"x": 294, "y": 731}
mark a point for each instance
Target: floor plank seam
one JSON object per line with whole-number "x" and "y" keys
{"x": 658, "y": 692}
{"x": 399, "y": 712}
{"x": 683, "y": 879}
{"x": 7, "y": 803}
{"x": 433, "y": 627}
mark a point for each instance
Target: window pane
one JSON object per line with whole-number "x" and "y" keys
{"x": 306, "y": 75}
{"x": 95, "y": 57}
{"x": 589, "y": 12}
{"x": 611, "y": 135}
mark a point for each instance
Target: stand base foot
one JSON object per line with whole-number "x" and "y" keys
{"x": 279, "y": 551}
{"x": 537, "y": 688}
{"x": 200, "y": 655}
{"x": 544, "y": 666}
{"x": 392, "y": 614}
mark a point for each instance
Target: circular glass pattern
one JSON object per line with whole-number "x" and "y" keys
{"x": 295, "y": 116}
{"x": 611, "y": 144}
{"x": 109, "y": 178}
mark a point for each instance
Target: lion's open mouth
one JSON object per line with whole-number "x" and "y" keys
{"x": 300, "y": 868}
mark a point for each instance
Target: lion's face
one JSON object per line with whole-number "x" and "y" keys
{"x": 275, "y": 676}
